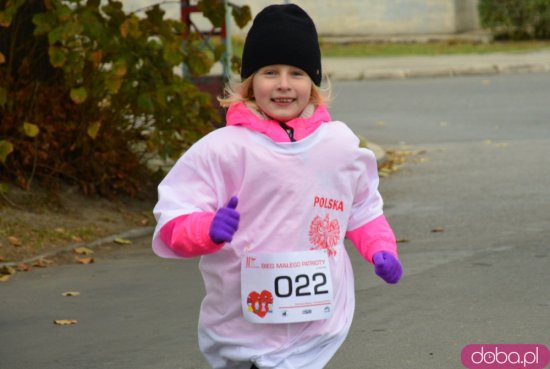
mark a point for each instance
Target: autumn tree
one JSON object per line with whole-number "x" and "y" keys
{"x": 87, "y": 91}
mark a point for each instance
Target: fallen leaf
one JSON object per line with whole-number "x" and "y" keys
{"x": 438, "y": 230}
{"x": 14, "y": 241}
{"x": 23, "y": 267}
{"x": 83, "y": 251}
{"x": 65, "y": 321}
{"x": 85, "y": 260}
{"x": 402, "y": 240}
{"x": 5, "y": 277}
{"x": 122, "y": 241}
{"x": 496, "y": 144}
{"x": 144, "y": 221}
{"x": 71, "y": 293}
{"x": 76, "y": 238}
{"x": 42, "y": 263}
{"x": 383, "y": 173}
{"x": 60, "y": 230}
{"x": 8, "y": 270}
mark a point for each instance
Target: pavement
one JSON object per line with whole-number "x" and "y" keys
{"x": 435, "y": 66}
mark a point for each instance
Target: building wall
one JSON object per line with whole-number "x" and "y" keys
{"x": 385, "y": 17}
{"x": 366, "y": 17}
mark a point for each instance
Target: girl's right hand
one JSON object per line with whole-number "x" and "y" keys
{"x": 225, "y": 222}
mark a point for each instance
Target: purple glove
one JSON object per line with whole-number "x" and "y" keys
{"x": 387, "y": 267}
{"x": 225, "y": 222}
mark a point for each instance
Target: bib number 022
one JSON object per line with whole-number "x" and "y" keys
{"x": 301, "y": 285}
{"x": 286, "y": 287}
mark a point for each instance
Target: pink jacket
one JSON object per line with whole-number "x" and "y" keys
{"x": 188, "y": 235}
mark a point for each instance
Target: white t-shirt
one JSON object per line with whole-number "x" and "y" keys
{"x": 292, "y": 197}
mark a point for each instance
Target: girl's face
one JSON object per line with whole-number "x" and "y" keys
{"x": 282, "y": 91}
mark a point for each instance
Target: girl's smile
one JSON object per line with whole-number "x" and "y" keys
{"x": 282, "y": 91}
{"x": 282, "y": 100}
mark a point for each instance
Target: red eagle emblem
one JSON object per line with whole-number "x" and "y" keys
{"x": 324, "y": 233}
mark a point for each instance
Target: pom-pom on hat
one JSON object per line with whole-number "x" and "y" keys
{"x": 282, "y": 34}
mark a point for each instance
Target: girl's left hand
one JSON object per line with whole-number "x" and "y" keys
{"x": 387, "y": 266}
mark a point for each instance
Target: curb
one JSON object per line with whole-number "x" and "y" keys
{"x": 438, "y": 72}
{"x": 128, "y": 235}
{"x": 378, "y": 151}
{"x": 372, "y": 68}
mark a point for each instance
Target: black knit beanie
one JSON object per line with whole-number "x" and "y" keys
{"x": 282, "y": 34}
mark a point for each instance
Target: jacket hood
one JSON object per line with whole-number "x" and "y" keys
{"x": 241, "y": 114}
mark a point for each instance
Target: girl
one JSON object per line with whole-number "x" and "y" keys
{"x": 267, "y": 201}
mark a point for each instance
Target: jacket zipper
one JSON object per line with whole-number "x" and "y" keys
{"x": 289, "y": 131}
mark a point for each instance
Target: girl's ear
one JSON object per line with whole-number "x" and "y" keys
{"x": 321, "y": 95}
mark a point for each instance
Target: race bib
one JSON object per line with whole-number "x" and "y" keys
{"x": 286, "y": 287}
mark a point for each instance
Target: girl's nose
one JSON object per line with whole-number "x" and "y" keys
{"x": 284, "y": 81}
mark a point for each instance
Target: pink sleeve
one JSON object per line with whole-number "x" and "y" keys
{"x": 187, "y": 235}
{"x": 373, "y": 237}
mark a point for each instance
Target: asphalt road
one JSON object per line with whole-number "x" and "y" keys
{"x": 482, "y": 181}
{"x": 485, "y": 181}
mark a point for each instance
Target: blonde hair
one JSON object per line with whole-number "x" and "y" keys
{"x": 242, "y": 92}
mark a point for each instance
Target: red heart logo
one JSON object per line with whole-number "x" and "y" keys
{"x": 260, "y": 303}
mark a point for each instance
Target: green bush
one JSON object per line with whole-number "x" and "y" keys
{"x": 516, "y": 19}
{"x": 87, "y": 91}
{"x": 541, "y": 24}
